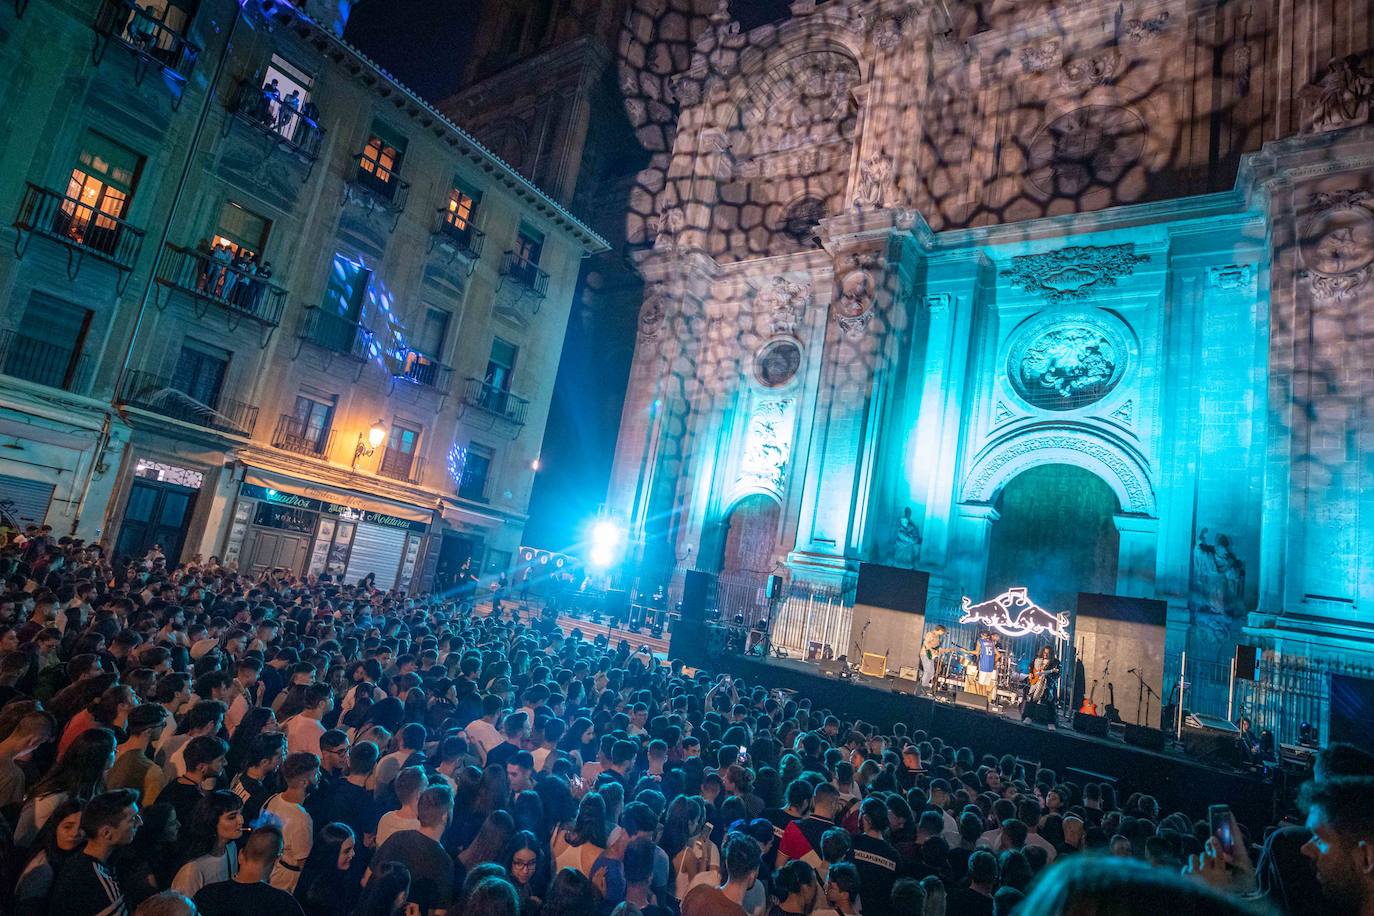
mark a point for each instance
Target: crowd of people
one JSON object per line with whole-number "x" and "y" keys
{"x": 185, "y": 739}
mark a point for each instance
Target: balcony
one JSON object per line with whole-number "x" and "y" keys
{"x": 525, "y": 274}
{"x": 83, "y": 229}
{"x": 403, "y": 466}
{"x": 44, "y": 363}
{"x": 379, "y": 187}
{"x": 290, "y": 128}
{"x": 156, "y": 394}
{"x": 495, "y": 401}
{"x": 294, "y": 435}
{"x": 410, "y": 365}
{"x": 460, "y": 237}
{"x": 241, "y": 292}
{"x": 151, "y": 41}
{"x": 335, "y": 335}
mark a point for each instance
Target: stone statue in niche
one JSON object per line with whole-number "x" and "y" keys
{"x": 906, "y": 541}
{"x": 1341, "y": 97}
{"x": 873, "y": 178}
{"x": 1218, "y": 590}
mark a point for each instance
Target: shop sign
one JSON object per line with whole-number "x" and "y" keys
{"x": 335, "y": 509}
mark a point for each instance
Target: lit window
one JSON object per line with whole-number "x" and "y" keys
{"x": 102, "y": 182}
{"x": 462, "y": 207}
{"x": 380, "y": 162}
{"x": 240, "y": 230}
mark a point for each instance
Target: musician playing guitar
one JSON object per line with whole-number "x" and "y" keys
{"x": 1044, "y": 671}
{"x": 931, "y": 649}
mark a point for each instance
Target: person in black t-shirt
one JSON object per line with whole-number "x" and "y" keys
{"x": 248, "y": 891}
{"x": 430, "y": 866}
{"x": 875, "y": 858}
{"x": 86, "y": 885}
{"x": 976, "y": 898}
{"x": 258, "y": 781}
{"x": 348, "y": 800}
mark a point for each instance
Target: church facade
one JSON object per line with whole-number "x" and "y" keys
{"x": 1071, "y": 296}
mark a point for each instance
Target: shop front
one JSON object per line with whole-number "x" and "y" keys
{"x": 305, "y": 528}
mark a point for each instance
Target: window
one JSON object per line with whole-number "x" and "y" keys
{"x": 380, "y": 163}
{"x": 102, "y": 182}
{"x": 462, "y": 209}
{"x": 200, "y": 372}
{"x": 529, "y": 244}
{"x": 152, "y": 24}
{"x": 46, "y": 347}
{"x": 286, "y": 95}
{"x": 476, "y": 469}
{"x": 401, "y": 447}
{"x": 343, "y": 296}
{"x": 313, "y": 419}
{"x": 500, "y": 366}
{"x": 433, "y": 332}
{"x": 241, "y": 230}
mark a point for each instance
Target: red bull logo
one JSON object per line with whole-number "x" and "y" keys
{"x": 1013, "y": 613}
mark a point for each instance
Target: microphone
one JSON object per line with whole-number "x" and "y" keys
{"x": 1130, "y": 671}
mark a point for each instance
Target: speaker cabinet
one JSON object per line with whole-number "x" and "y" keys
{"x": 1143, "y": 736}
{"x": 1247, "y": 663}
{"x": 688, "y": 637}
{"x": 971, "y": 700}
{"x": 1090, "y": 725}
{"x": 774, "y": 589}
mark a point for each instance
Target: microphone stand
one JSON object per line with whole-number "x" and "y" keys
{"x": 858, "y": 647}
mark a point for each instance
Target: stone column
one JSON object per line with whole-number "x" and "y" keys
{"x": 1137, "y": 555}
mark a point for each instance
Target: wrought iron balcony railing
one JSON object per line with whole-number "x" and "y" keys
{"x": 45, "y": 363}
{"x": 150, "y": 39}
{"x": 295, "y": 435}
{"x": 526, "y": 273}
{"x": 157, "y": 394}
{"x": 399, "y": 465}
{"x": 209, "y": 278}
{"x": 465, "y": 238}
{"x": 412, "y": 366}
{"x": 292, "y": 127}
{"x": 81, "y": 227}
{"x": 495, "y": 401}
{"x": 336, "y": 334}
{"x": 383, "y": 185}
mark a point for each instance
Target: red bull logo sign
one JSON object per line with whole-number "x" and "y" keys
{"x": 1013, "y": 613}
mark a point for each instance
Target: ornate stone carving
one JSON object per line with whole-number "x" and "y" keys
{"x": 653, "y": 311}
{"x": 855, "y": 290}
{"x": 1066, "y": 366}
{"x": 1086, "y": 72}
{"x": 1041, "y": 57}
{"x": 1337, "y": 243}
{"x": 784, "y": 301}
{"x": 767, "y": 444}
{"x": 1231, "y": 277}
{"x": 854, "y": 325}
{"x": 805, "y": 101}
{"x": 1125, "y": 414}
{"x": 939, "y": 302}
{"x": 1073, "y": 273}
{"x": 1143, "y": 30}
{"x": 1341, "y": 97}
{"x": 1139, "y": 498}
{"x": 874, "y": 173}
{"x": 906, "y": 541}
{"x": 777, "y": 362}
{"x": 1001, "y": 414}
{"x": 887, "y": 34}
{"x": 1092, "y": 146}
{"x": 1217, "y": 590}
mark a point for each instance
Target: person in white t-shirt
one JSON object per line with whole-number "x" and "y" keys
{"x": 300, "y": 772}
{"x": 410, "y": 782}
{"x": 303, "y": 731}
{"x": 245, "y": 692}
{"x": 483, "y": 735}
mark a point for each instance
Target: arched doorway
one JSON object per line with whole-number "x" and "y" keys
{"x": 1056, "y": 535}
{"x": 751, "y": 535}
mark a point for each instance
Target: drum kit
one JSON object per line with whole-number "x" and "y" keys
{"x": 960, "y": 672}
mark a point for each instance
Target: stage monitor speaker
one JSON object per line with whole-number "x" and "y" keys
{"x": 1114, "y": 634}
{"x": 1040, "y": 713}
{"x": 688, "y": 641}
{"x": 971, "y": 700}
{"x": 774, "y": 588}
{"x": 832, "y": 668}
{"x": 1144, "y": 736}
{"x": 901, "y": 685}
{"x": 1247, "y": 663}
{"x": 1091, "y": 725}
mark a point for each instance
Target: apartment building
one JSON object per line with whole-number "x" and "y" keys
{"x": 262, "y": 302}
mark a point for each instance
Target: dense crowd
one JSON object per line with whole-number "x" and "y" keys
{"x": 187, "y": 739}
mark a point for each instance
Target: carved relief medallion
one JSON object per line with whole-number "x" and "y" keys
{"x": 777, "y": 362}
{"x": 1089, "y": 147}
{"x": 1337, "y": 246}
{"x": 1067, "y": 360}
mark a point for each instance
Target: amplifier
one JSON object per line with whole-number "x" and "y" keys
{"x": 971, "y": 700}
{"x": 1091, "y": 725}
{"x": 873, "y": 664}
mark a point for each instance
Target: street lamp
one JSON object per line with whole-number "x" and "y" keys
{"x": 369, "y": 444}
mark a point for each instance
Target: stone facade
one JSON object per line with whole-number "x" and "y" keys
{"x": 907, "y": 251}
{"x": 154, "y": 393}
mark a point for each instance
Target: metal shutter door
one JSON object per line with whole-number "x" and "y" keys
{"x": 376, "y": 550}
{"x": 24, "y": 502}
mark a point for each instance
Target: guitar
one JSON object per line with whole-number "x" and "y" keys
{"x": 1089, "y": 708}
{"x": 1113, "y": 714}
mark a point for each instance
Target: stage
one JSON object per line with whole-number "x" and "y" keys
{"x": 1178, "y": 782}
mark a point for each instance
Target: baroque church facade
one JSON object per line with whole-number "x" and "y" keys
{"x": 1069, "y": 295}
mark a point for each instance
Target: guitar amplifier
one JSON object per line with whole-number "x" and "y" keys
{"x": 1090, "y": 725}
{"x": 873, "y": 664}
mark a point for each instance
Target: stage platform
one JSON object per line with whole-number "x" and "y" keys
{"x": 1178, "y": 782}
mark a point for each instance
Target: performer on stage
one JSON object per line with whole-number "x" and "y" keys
{"x": 987, "y": 663}
{"x": 931, "y": 649}
{"x": 1043, "y": 675}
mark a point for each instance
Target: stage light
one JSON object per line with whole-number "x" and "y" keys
{"x": 606, "y": 542}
